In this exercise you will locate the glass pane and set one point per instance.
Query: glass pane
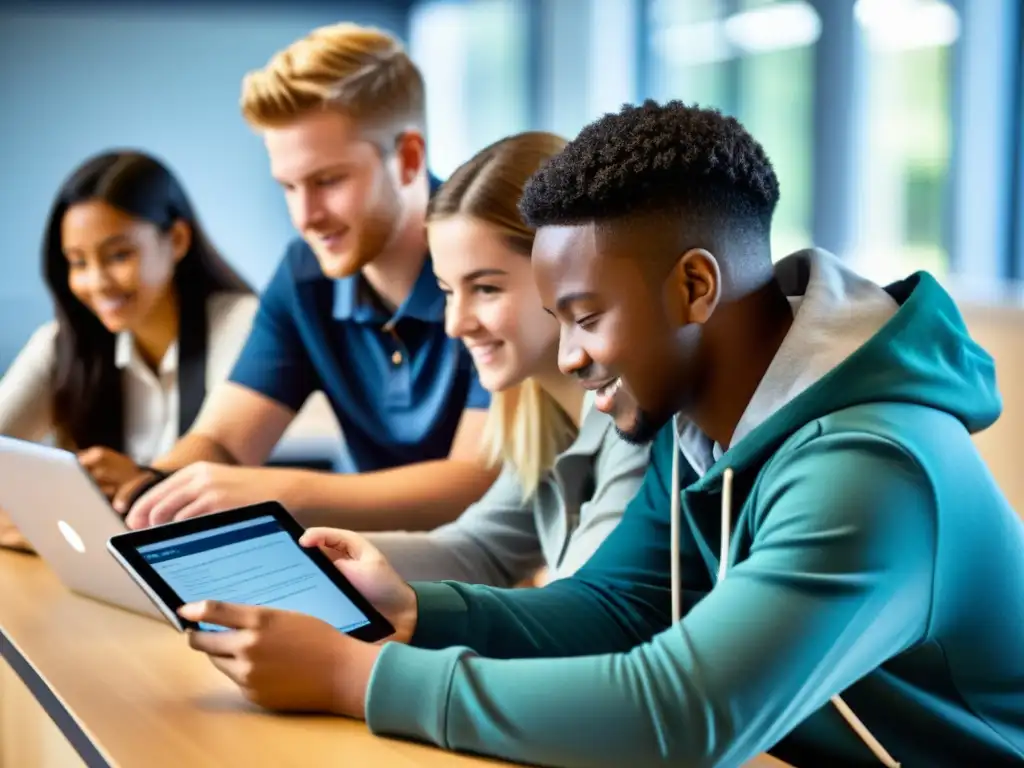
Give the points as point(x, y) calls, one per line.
point(495, 99)
point(768, 80)
point(473, 58)
point(688, 49)
point(758, 65)
point(903, 192)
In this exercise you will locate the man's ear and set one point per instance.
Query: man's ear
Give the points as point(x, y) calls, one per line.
point(697, 282)
point(411, 153)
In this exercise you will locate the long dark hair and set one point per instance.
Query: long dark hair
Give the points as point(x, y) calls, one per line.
point(87, 395)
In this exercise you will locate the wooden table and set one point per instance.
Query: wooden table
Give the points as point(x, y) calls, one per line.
point(125, 690)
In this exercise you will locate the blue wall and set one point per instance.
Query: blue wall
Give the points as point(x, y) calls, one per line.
point(79, 79)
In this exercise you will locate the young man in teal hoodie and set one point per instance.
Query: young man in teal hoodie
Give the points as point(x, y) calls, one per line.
point(849, 578)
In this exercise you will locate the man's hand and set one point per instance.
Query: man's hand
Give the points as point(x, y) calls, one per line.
point(111, 470)
point(283, 660)
point(133, 489)
point(10, 537)
point(202, 489)
point(370, 573)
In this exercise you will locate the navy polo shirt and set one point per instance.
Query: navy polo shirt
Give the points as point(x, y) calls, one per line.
point(398, 385)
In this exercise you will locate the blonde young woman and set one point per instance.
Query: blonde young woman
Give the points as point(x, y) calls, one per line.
point(565, 475)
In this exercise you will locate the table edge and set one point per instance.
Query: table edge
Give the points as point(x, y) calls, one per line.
point(55, 709)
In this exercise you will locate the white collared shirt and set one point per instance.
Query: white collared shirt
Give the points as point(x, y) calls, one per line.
point(150, 397)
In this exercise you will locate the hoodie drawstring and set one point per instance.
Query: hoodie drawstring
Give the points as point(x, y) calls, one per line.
point(723, 564)
point(674, 533)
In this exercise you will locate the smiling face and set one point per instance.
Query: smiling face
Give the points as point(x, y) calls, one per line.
point(492, 302)
point(342, 196)
point(121, 268)
point(627, 329)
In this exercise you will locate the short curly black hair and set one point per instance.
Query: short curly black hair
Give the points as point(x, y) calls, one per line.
point(656, 157)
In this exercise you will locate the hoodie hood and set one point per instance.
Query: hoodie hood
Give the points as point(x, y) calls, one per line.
point(853, 342)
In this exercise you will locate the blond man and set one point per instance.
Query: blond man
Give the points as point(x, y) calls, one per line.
point(353, 310)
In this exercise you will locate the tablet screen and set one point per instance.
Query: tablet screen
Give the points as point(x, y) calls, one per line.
point(255, 562)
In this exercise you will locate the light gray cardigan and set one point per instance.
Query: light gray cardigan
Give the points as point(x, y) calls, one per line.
point(502, 540)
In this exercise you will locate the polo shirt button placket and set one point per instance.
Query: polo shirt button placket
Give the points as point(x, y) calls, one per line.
point(397, 356)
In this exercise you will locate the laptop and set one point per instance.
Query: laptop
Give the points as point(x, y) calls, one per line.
point(58, 508)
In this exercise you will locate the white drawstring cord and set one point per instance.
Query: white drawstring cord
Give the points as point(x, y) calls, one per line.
point(674, 529)
point(723, 565)
point(854, 722)
point(865, 735)
point(723, 547)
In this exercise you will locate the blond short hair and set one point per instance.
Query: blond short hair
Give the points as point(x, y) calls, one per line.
point(362, 72)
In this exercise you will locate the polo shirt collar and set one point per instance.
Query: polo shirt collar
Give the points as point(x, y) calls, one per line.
point(426, 302)
point(348, 304)
point(354, 300)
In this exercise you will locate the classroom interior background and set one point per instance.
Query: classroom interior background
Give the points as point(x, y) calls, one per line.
point(894, 125)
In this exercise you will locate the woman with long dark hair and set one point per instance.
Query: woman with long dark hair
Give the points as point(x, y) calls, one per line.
point(148, 315)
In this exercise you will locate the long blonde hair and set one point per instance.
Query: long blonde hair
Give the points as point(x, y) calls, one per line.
point(525, 427)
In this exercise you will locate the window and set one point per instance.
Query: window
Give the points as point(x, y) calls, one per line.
point(689, 52)
point(474, 60)
point(903, 187)
point(586, 55)
point(753, 59)
point(1017, 240)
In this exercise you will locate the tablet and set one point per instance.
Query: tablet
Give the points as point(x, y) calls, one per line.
point(251, 556)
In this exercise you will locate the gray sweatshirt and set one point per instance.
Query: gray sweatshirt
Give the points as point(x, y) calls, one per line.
point(502, 539)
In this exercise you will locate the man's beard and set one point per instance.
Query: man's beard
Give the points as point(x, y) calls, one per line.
point(644, 429)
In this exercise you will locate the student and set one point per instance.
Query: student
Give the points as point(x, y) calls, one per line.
point(867, 550)
point(566, 476)
point(354, 310)
point(148, 316)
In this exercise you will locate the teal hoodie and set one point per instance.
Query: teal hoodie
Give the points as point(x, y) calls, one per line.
point(870, 554)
